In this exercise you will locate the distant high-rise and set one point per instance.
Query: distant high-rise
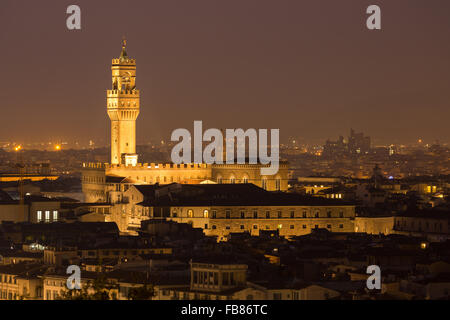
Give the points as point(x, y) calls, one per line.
point(123, 109)
point(358, 143)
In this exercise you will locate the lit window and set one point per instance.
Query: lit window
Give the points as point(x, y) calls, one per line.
point(278, 184)
point(264, 183)
point(47, 216)
point(39, 216)
point(55, 215)
point(190, 213)
point(205, 214)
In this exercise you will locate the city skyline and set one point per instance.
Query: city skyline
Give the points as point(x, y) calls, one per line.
point(268, 67)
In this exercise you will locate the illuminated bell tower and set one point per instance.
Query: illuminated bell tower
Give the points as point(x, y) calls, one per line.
point(123, 109)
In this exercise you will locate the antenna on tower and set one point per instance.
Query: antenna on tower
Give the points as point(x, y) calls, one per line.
point(124, 45)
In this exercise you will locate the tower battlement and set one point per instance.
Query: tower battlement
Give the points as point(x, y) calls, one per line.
point(123, 62)
point(148, 166)
point(117, 93)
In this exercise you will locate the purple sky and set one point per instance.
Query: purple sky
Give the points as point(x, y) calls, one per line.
point(308, 67)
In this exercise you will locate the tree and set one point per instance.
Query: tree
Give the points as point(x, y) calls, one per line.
point(146, 292)
point(98, 289)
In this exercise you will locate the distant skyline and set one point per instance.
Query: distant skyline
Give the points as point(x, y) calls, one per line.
point(309, 68)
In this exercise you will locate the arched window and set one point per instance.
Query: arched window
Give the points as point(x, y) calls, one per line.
point(232, 179)
point(245, 179)
point(205, 214)
point(190, 213)
point(278, 184)
point(264, 183)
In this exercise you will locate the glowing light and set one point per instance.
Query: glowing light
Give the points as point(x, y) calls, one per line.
point(58, 147)
point(17, 148)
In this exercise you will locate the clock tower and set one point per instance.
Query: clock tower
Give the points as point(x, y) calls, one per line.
point(123, 109)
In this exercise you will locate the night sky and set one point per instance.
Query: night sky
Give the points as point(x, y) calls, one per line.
point(308, 67)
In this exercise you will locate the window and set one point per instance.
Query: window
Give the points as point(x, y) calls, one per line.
point(317, 214)
point(242, 214)
point(174, 214)
point(232, 179)
point(264, 183)
point(328, 214)
point(242, 227)
point(255, 214)
point(291, 226)
point(55, 215)
point(280, 226)
point(267, 214)
point(304, 226)
point(214, 227)
point(214, 214)
point(329, 226)
point(47, 216)
point(228, 214)
point(190, 213)
point(279, 214)
point(245, 180)
point(292, 214)
point(278, 184)
point(255, 226)
point(205, 214)
point(39, 216)
point(341, 226)
point(206, 226)
point(341, 214)
point(227, 227)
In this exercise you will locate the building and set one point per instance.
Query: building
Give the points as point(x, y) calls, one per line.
point(34, 209)
point(221, 209)
point(123, 106)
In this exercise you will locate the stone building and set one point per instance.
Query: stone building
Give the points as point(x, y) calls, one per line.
point(221, 209)
point(123, 107)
